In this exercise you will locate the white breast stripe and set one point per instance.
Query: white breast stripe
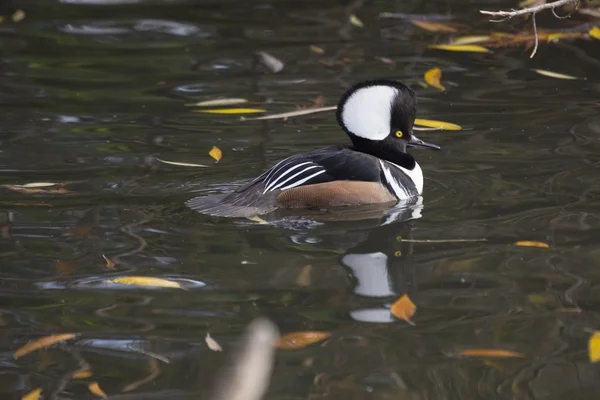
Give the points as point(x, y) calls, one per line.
point(416, 175)
point(399, 191)
point(279, 177)
point(300, 182)
point(295, 175)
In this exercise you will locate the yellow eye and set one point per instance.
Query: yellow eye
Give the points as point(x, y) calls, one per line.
point(399, 134)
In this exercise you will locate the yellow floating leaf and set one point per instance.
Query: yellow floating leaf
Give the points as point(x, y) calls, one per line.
point(18, 16)
point(434, 26)
point(470, 39)
point(490, 353)
point(182, 164)
point(298, 340)
point(41, 343)
point(97, 390)
point(532, 243)
point(219, 102)
point(316, 49)
point(82, 374)
point(554, 74)
point(258, 219)
point(553, 37)
point(404, 309)
point(146, 281)
point(109, 263)
point(594, 347)
point(216, 153)
point(432, 77)
point(232, 111)
point(33, 395)
point(212, 343)
point(356, 22)
point(431, 123)
point(472, 48)
point(595, 32)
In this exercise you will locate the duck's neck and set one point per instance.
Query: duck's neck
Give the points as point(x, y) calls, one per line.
point(389, 149)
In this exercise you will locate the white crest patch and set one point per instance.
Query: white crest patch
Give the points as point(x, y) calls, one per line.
point(367, 112)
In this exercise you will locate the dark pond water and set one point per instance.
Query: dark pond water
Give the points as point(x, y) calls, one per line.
point(93, 94)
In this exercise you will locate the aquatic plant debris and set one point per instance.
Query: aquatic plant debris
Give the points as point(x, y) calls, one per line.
point(42, 342)
point(298, 340)
point(532, 243)
point(227, 111)
point(404, 309)
point(212, 343)
point(497, 353)
point(432, 77)
point(82, 374)
point(292, 113)
point(33, 395)
point(182, 164)
point(434, 26)
point(552, 74)
point(469, 39)
point(216, 153)
point(109, 263)
point(594, 347)
point(219, 102)
point(472, 48)
point(146, 281)
point(431, 123)
point(95, 388)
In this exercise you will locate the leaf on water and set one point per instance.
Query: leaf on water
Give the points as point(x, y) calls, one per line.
point(432, 77)
point(258, 219)
point(182, 164)
point(532, 243)
point(212, 343)
point(554, 74)
point(316, 49)
point(594, 32)
point(18, 16)
point(146, 281)
point(33, 395)
point(431, 123)
point(555, 37)
point(470, 39)
point(304, 277)
point(97, 390)
point(37, 184)
point(356, 22)
point(404, 309)
point(292, 113)
point(434, 26)
point(37, 190)
point(41, 343)
point(218, 102)
point(216, 153)
point(109, 263)
point(594, 347)
point(272, 63)
point(298, 340)
point(82, 374)
point(472, 48)
point(490, 353)
point(228, 111)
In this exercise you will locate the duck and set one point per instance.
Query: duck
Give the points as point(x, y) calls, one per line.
point(376, 168)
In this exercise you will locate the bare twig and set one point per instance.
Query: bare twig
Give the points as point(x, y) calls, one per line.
point(530, 10)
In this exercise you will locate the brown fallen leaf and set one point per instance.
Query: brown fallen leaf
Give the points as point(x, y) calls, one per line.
point(304, 277)
point(95, 388)
point(532, 243)
point(41, 343)
point(146, 281)
point(33, 395)
point(82, 374)
point(298, 340)
point(404, 309)
point(212, 343)
point(36, 190)
point(594, 347)
point(490, 353)
point(434, 26)
point(432, 77)
point(109, 263)
point(216, 153)
point(272, 63)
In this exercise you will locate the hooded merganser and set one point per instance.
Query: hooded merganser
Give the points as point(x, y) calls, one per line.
point(378, 116)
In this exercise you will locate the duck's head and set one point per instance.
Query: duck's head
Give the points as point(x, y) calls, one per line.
point(380, 115)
